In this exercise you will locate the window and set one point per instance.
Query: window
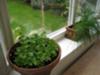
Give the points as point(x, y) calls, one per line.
point(36, 15)
point(92, 4)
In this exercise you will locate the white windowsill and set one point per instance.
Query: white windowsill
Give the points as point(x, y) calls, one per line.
point(67, 46)
point(70, 51)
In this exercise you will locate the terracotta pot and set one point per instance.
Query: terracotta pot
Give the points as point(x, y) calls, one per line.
point(70, 33)
point(45, 70)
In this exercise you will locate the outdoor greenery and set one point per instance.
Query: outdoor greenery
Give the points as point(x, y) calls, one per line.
point(22, 14)
point(35, 51)
point(48, 2)
point(88, 27)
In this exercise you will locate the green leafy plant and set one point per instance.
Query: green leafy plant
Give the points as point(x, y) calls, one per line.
point(19, 31)
point(35, 51)
point(88, 27)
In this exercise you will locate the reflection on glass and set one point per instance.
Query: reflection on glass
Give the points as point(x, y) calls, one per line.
point(93, 2)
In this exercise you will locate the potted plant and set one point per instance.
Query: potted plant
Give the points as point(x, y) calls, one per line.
point(70, 33)
point(35, 55)
point(87, 28)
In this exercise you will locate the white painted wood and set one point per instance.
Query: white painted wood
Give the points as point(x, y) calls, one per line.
point(72, 12)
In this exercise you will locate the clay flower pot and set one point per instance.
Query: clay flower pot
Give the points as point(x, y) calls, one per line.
point(44, 70)
point(70, 32)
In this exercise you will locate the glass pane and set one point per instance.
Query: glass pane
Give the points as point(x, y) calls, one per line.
point(93, 2)
point(82, 4)
point(56, 14)
point(36, 15)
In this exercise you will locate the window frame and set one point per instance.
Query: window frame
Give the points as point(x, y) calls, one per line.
point(53, 35)
point(7, 33)
point(56, 35)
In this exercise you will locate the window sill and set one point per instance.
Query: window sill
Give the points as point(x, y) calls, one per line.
point(70, 51)
point(67, 46)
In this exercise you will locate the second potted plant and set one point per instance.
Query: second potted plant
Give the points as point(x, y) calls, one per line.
point(87, 28)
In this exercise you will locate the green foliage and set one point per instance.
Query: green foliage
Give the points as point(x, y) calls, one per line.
point(23, 14)
point(35, 51)
point(19, 31)
point(88, 27)
point(59, 1)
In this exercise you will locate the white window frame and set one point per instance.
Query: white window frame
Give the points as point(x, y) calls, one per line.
point(6, 30)
point(54, 35)
point(71, 20)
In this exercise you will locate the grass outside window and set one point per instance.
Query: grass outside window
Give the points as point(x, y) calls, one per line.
point(22, 14)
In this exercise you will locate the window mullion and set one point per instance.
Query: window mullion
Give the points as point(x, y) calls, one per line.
point(72, 11)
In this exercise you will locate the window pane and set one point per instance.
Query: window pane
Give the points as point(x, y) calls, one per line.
point(93, 2)
point(30, 16)
point(56, 14)
point(82, 4)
